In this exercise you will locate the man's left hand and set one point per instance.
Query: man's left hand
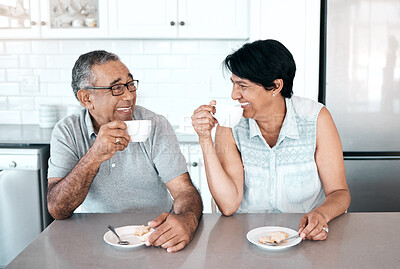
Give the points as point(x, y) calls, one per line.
point(173, 231)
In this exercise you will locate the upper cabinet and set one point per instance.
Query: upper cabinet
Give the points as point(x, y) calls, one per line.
point(22, 19)
point(19, 19)
point(179, 19)
point(63, 19)
point(74, 18)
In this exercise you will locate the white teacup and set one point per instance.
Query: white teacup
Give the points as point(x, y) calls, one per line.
point(228, 115)
point(138, 130)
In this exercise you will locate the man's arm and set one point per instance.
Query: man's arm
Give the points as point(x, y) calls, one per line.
point(64, 195)
point(175, 231)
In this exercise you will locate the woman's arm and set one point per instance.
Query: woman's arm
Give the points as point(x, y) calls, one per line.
point(330, 164)
point(223, 164)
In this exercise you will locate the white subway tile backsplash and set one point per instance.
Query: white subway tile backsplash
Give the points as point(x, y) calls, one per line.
point(2, 75)
point(176, 76)
point(21, 103)
point(147, 89)
point(128, 47)
point(211, 47)
point(32, 61)
point(140, 62)
point(185, 47)
point(18, 47)
point(236, 44)
point(9, 89)
point(30, 117)
point(46, 101)
point(46, 47)
point(47, 75)
point(156, 47)
point(188, 75)
point(107, 45)
point(10, 61)
point(65, 75)
point(172, 61)
point(15, 75)
point(3, 103)
point(74, 47)
point(204, 61)
point(59, 89)
point(10, 117)
point(171, 89)
point(61, 61)
point(157, 75)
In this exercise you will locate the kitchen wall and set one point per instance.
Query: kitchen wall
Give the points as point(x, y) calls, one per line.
point(176, 76)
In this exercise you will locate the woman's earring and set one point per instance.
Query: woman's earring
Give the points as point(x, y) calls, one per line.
point(273, 95)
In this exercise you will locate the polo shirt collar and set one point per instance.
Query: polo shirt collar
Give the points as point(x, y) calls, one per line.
point(89, 125)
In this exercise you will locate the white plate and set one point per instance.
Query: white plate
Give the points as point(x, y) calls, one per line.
point(126, 234)
point(254, 234)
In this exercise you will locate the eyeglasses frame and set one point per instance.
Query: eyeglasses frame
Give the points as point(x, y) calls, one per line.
point(110, 88)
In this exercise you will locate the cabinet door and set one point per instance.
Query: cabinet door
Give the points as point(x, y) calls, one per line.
point(197, 172)
point(214, 19)
point(79, 19)
point(19, 20)
point(143, 19)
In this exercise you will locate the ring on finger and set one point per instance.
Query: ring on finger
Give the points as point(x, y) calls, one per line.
point(325, 229)
point(117, 140)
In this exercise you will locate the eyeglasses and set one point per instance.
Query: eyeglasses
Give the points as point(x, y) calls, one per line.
point(119, 89)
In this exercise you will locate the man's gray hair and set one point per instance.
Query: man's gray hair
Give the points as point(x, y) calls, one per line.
point(82, 75)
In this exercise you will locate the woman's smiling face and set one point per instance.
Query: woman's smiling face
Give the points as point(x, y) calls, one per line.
point(253, 97)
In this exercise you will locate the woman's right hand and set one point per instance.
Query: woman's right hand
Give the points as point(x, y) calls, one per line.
point(203, 121)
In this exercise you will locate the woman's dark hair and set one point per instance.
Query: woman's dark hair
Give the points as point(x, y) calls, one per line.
point(262, 62)
point(82, 71)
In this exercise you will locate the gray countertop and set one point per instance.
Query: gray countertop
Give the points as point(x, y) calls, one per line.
point(356, 240)
point(33, 134)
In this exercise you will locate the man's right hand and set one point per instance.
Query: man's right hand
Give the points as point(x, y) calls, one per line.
point(112, 137)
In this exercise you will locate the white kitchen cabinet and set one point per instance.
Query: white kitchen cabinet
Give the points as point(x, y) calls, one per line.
point(195, 166)
point(179, 19)
point(54, 19)
point(19, 20)
point(93, 25)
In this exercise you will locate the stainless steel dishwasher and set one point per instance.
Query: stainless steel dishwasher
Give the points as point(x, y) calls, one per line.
point(23, 206)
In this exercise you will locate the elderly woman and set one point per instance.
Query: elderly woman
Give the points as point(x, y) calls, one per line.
point(285, 154)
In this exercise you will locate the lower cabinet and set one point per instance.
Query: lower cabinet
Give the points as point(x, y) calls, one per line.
point(195, 165)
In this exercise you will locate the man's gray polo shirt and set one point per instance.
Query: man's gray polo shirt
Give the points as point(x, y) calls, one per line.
point(133, 180)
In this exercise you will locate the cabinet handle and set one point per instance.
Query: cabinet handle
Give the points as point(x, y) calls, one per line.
point(194, 164)
point(172, 23)
point(33, 23)
point(43, 23)
point(182, 23)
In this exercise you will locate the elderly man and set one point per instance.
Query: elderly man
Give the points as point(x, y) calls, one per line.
point(93, 164)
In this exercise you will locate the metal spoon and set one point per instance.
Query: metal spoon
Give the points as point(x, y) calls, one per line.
point(281, 241)
point(121, 242)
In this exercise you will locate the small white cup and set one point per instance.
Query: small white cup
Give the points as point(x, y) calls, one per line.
point(228, 115)
point(139, 130)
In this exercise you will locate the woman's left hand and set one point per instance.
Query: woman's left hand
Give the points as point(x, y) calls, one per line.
point(311, 226)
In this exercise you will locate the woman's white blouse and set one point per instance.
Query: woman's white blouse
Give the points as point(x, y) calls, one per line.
point(283, 178)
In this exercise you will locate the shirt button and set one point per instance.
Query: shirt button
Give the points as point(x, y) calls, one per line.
point(113, 165)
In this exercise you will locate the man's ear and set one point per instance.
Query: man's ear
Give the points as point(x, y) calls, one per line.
point(85, 99)
point(278, 85)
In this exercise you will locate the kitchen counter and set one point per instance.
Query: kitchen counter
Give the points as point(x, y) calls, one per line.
point(24, 134)
point(32, 134)
point(356, 240)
